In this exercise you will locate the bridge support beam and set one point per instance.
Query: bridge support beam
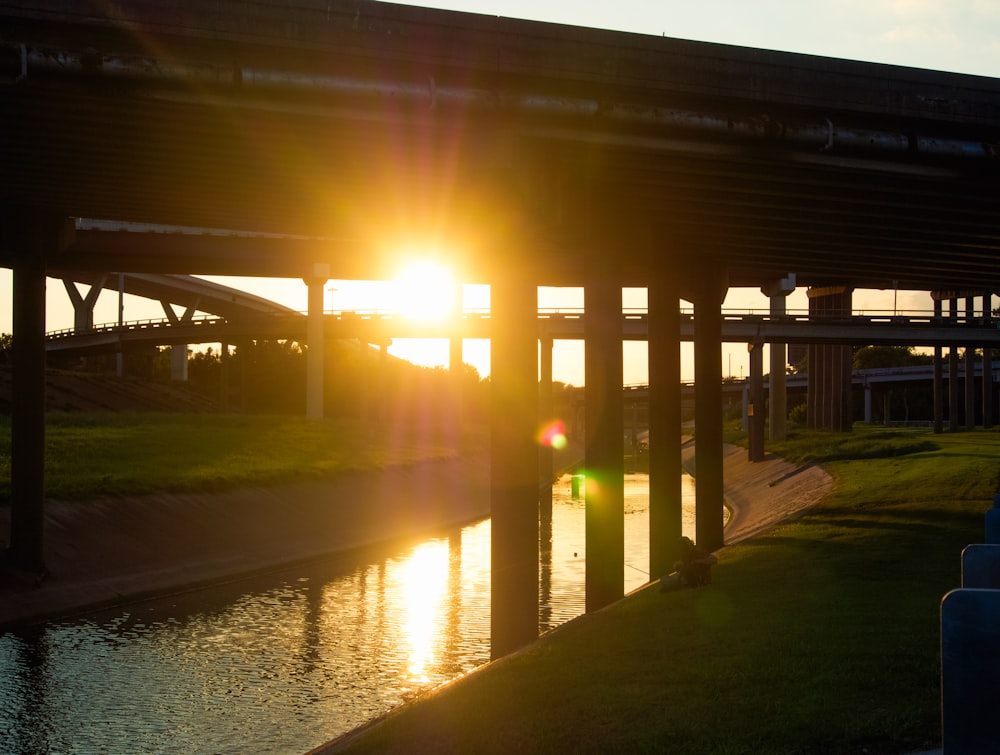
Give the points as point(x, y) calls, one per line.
point(755, 406)
point(514, 464)
point(83, 306)
point(829, 393)
point(777, 294)
point(665, 498)
point(604, 438)
point(708, 408)
point(546, 415)
point(29, 236)
point(938, 379)
point(969, 376)
point(315, 337)
point(179, 351)
point(987, 381)
point(953, 387)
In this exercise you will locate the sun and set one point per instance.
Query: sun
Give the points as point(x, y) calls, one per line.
point(425, 291)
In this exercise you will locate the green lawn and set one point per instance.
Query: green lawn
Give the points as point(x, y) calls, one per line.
point(128, 454)
point(821, 636)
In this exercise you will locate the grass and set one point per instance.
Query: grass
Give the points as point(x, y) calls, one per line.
point(822, 636)
point(128, 454)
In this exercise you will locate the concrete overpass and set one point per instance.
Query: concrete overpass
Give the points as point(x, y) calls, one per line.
point(531, 154)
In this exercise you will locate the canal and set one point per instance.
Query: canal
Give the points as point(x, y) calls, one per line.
point(285, 662)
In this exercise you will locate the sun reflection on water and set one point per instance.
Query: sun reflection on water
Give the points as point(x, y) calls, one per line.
point(425, 581)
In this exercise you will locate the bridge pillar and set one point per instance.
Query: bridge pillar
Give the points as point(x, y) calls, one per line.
point(546, 415)
point(29, 236)
point(969, 375)
point(755, 405)
point(938, 378)
point(777, 294)
point(455, 370)
point(315, 353)
point(665, 498)
point(829, 391)
point(953, 394)
point(83, 306)
point(514, 464)
point(710, 293)
point(604, 450)
point(987, 366)
point(179, 351)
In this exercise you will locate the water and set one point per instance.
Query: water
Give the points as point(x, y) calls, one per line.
point(284, 663)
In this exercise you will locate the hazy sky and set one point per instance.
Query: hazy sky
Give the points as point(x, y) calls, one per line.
point(951, 35)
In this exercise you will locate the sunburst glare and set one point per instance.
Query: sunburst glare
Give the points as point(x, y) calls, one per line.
point(426, 291)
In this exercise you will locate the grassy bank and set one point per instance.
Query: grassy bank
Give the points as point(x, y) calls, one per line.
point(129, 454)
point(821, 636)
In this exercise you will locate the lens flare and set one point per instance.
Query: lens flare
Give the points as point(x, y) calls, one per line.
point(553, 435)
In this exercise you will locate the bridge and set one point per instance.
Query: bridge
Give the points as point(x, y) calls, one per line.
point(923, 329)
point(317, 141)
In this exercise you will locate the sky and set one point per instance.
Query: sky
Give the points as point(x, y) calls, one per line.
point(949, 35)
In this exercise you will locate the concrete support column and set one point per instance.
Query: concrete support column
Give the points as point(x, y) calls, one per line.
point(755, 405)
point(455, 373)
point(777, 294)
point(224, 376)
point(514, 464)
point(868, 404)
point(665, 501)
point(29, 236)
point(546, 415)
point(987, 366)
point(969, 376)
point(315, 337)
point(83, 306)
point(179, 351)
point(830, 364)
point(708, 409)
point(953, 394)
point(364, 382)
point(938, 379)
point(604, 438)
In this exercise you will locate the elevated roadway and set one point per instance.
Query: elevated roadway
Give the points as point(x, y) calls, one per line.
point(381, 327)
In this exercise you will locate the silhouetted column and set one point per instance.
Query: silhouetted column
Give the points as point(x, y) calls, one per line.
point(777, 294)
point(455, 370)
point(830, 364)
point(546, 415)
point(30, 236)
point(970, 369)
point(665, 497)
point(604, 438)
point(315, 355)
point(224, 375)
point(708, 409)
point(938, 378)
point(953, 392)
point(514, 463)
point(364, 382)
point(179, 351)
point(755, 407)
point(83, 306)
point(987, 366)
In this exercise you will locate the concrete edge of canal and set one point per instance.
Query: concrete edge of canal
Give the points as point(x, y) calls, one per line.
point(115, 550)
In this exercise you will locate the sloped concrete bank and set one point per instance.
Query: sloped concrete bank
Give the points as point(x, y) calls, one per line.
point(114, 550)
point(762, 494)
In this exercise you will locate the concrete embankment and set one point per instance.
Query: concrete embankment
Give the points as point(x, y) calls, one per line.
point(107, 551)
point(762, 494)
point(113, 550)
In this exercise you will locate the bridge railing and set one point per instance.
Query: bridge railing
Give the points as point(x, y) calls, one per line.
point(854, 317)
